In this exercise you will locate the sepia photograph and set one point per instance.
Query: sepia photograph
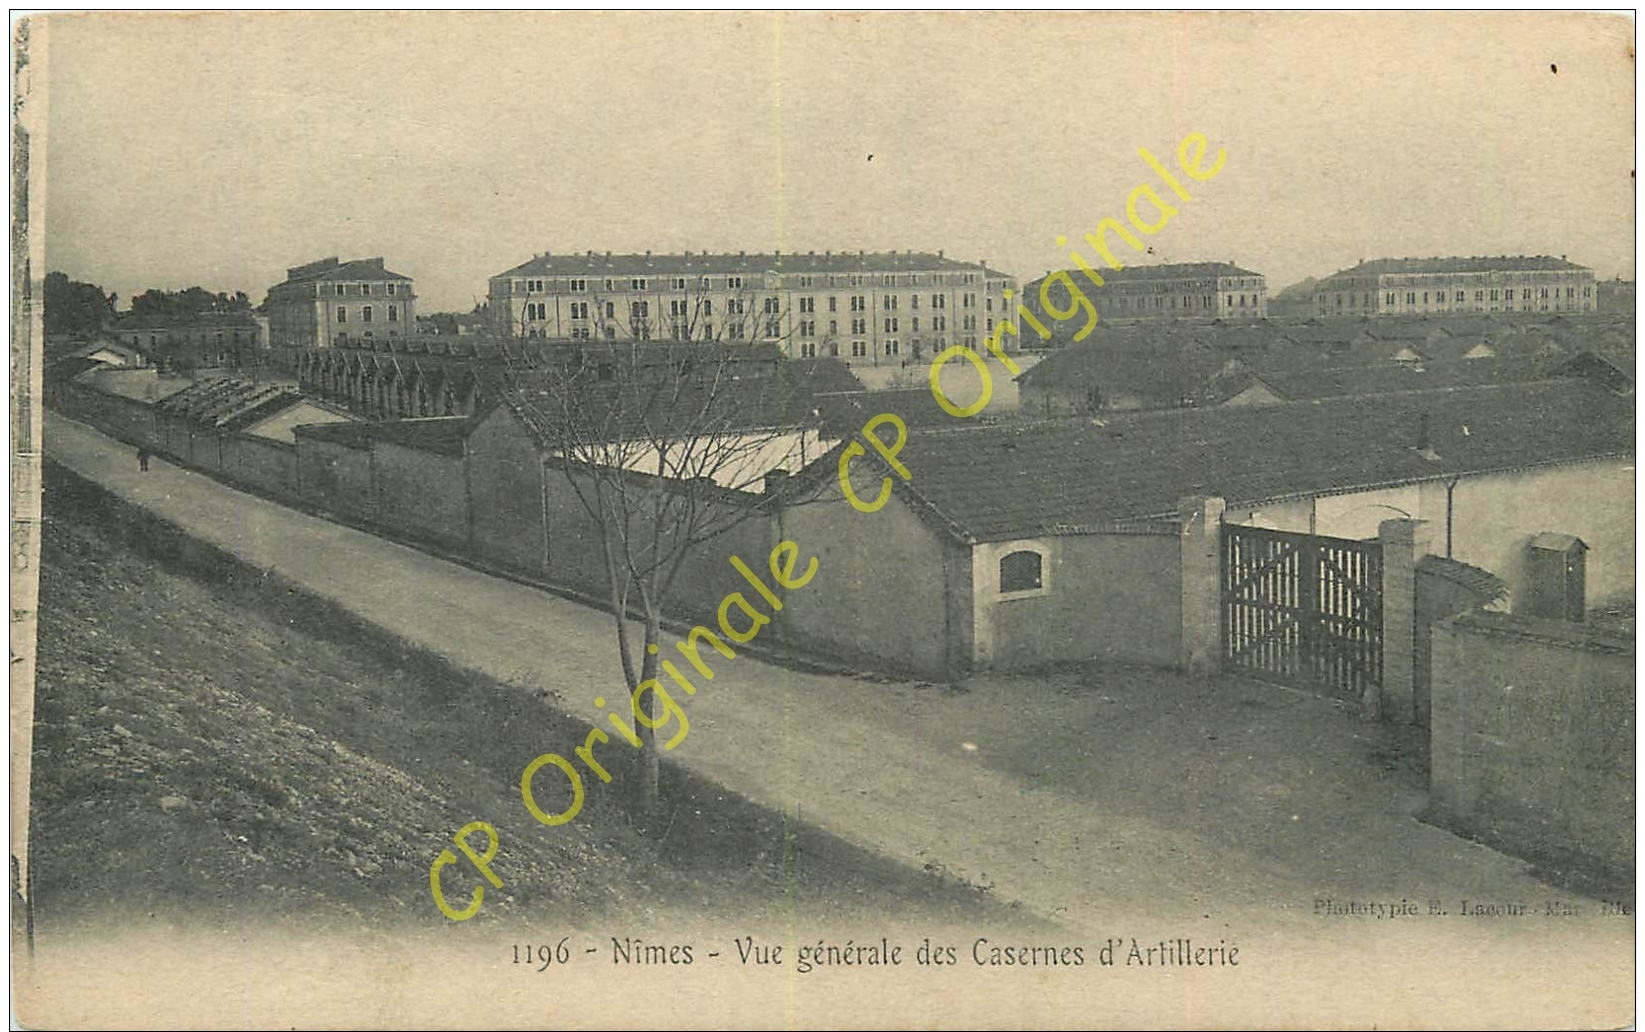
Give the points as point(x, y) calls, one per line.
point(760, 519)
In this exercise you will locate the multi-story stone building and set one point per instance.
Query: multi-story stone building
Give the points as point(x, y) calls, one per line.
point(864, 307)
point(1436, 286)
point(1193, 290)
point(198, 340)
point(329, 302)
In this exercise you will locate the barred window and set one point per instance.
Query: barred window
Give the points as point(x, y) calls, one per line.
point(1021, 571)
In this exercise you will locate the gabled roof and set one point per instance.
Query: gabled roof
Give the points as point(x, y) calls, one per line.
point(845, 412)
point(1178, 270)
point(994, 483)
point(228, 403)
point(1499, 263)
point(327, 269)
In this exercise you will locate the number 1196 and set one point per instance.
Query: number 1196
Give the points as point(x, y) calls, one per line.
point(542, 954)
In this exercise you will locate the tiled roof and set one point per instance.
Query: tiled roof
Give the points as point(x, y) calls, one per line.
point(844, 413)
point(1487, 263)
point(1341, 381)
point(992, 483)
point(331, 269)
point(1165, 363)
point(441, 435)
point(1180, 270)
point(592, 263)
point(1485, 585)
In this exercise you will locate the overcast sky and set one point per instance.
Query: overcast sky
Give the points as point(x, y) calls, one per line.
point(220, 149)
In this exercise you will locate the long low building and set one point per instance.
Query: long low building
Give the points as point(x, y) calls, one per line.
point(1008, 547)
point(1426, 286)
point(1056, 542)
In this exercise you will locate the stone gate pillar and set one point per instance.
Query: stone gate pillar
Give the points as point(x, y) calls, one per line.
point(1404, 543)
point(1201, 583)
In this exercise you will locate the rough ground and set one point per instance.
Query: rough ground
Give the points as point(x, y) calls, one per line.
point(198, 745)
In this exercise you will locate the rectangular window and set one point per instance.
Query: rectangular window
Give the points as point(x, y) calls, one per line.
point(365, 313)
point(390, 289)
point(339, 290)
point(833, 304)
point(342, 314)
point(579, 286)
point(393, 313)
point(891, 347)
point(636, 284)
point(833, 327)
point(734, 282)
point(679, 283)
point(859, 348)
point(808, 350)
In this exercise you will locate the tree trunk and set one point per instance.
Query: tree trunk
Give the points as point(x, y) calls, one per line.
point(646, 799)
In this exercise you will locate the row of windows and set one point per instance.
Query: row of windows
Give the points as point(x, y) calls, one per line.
point(1482, 279)
point(1206, 301)
point(771, 306)
point(365, 313)
point(579, 285)
point(1182, 286)
point(363, 289)
point(340, 336)
point(1460, 296)
point(640, 313)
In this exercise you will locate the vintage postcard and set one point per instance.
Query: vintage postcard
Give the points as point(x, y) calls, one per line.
point(882, 520)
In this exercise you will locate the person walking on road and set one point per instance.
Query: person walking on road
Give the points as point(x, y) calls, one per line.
point(142, 460)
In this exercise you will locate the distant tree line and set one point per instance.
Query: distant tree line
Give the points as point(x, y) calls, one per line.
point(73, 307)
point(183, 304)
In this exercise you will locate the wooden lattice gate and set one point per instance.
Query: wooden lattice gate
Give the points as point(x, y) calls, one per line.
point(1303, 609)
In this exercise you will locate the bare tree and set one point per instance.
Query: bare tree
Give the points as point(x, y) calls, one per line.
point(666, 445)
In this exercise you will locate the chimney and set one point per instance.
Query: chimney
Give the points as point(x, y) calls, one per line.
point(1422, 433)
point(939, 252)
